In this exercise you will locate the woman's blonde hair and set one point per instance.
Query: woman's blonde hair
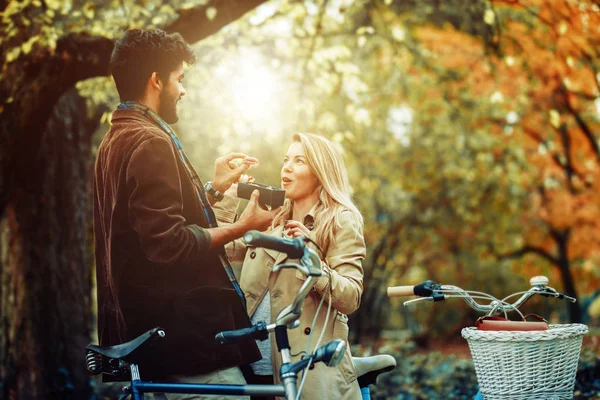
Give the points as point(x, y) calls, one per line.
point(326, 163)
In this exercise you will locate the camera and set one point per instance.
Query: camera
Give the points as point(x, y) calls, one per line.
point(269, 195)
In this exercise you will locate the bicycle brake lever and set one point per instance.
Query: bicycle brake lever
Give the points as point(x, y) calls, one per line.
point(564, 296)
point(302, 268)
point(409, 302)
point(558, 295)
point(308, 271)
point(570, 299)
point(435, 297)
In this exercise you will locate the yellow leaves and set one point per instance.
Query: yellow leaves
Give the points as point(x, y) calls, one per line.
point(12, 8)
point(26, 47)
point(168, 11)
point(106, 117)
point(89, 10)
point(497, 97)
point(594, 309)
point(562, 28)
point(360, 115)
point(54, 5)
point(211, 13)
point(398, 33)
point(361, 33)
point(188, 5)
point(489, 17)
point(570, 62)
point(12, 54)
point(159, 19)
point(554, 117)
point(365, 30)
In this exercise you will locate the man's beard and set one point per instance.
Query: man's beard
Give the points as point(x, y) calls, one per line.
point(168, 108)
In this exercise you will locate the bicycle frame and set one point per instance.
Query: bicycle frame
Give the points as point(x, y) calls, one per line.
point(139, 387)
point(491, 385)
point(330, 353)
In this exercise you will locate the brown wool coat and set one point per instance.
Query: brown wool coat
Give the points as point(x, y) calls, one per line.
point(343, 262)
point(152, 259)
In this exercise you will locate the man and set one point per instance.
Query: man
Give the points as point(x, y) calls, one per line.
point(159, 252)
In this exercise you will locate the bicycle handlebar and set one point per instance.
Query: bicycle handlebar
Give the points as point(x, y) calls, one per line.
point(309, 264)
point(257, 332)
point(432, 291)
point(294, 248)
point(398, 291)
point(425, 289)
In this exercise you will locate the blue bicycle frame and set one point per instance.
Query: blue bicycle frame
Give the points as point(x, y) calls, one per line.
point(119, 361)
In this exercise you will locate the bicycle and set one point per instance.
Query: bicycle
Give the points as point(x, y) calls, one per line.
point(510, 364)
point(119, 362)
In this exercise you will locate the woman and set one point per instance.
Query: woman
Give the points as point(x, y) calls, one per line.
point(318, 205)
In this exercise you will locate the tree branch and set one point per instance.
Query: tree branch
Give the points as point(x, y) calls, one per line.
point(35, 83)
point(568, 167)
point(529, 250)
point(589, 135)
point(311, 50)
point(194, 25)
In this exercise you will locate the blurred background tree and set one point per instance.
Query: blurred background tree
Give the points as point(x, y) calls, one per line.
point(469, 130)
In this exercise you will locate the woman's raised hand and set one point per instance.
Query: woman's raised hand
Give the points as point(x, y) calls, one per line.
point(296, 228)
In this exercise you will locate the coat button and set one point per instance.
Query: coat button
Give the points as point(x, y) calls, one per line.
point(312, 366)
point(253, 255)
point(307, 331)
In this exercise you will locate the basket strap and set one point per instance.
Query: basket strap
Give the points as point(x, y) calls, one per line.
point(480, 320)
point(541, 319)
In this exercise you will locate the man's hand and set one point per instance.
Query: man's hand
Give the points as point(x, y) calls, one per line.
point(227, 172)
point(232, 191)
point(255, 217)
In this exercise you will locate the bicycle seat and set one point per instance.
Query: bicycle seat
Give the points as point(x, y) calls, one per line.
point(369, 368)
point(123, 350)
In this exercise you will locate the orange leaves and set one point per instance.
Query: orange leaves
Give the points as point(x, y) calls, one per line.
point(464, 56)
point(562, 210)
point(454, 50)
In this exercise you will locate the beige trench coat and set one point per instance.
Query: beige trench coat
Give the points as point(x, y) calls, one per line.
point(343, 263)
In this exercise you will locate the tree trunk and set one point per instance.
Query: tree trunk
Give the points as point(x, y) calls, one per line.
point(45, 262)
point(564, 266)
point(45, 230)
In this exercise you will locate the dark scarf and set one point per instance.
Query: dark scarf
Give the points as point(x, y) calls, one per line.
point(208, 211)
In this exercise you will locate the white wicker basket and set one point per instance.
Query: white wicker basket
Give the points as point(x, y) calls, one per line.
point(536, 365)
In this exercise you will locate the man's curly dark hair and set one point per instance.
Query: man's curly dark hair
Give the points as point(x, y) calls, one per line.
point(139, 53)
